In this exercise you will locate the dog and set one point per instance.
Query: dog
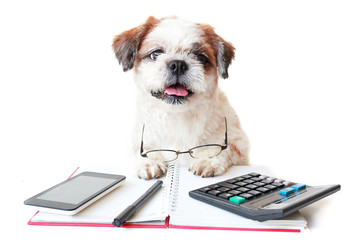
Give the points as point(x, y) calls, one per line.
point(177, 65)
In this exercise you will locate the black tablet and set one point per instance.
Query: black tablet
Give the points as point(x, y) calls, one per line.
point(76, 193)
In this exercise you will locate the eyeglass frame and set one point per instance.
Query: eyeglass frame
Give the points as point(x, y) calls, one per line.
point(223, 147)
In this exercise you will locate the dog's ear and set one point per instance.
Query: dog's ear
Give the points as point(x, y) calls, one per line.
point(223, 50)
point(127, 44)
point(226, 53)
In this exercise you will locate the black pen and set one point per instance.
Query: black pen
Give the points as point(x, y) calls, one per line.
point(130, 210)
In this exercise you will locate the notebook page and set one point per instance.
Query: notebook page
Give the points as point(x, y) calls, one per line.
point(191, 212)
point(107, 208)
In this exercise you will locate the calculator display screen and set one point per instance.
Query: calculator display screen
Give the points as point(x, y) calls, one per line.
point(76, 190)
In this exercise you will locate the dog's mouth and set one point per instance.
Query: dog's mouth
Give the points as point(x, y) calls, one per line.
point(173, 94)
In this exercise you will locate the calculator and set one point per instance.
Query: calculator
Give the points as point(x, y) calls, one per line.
point(260, 197)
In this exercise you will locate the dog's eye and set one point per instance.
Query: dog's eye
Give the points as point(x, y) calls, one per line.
point(201, 58)
point(153, 56)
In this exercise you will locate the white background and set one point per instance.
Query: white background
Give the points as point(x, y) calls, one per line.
point(65, 102)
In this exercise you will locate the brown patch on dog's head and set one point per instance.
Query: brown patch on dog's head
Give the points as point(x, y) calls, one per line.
point(127, 44)
point(208, 50)
point(223, 51)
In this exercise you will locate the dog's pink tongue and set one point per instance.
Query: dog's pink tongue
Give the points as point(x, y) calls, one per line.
point(177, 90)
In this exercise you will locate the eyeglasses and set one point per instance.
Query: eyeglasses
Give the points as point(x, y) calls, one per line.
point(202, 151)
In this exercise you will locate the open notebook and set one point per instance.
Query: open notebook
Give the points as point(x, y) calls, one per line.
point(171, 207)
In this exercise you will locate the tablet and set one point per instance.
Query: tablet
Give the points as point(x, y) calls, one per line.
point(73, 195)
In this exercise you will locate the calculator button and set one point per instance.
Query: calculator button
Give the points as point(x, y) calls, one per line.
point(286, 191)
point(271, 179)
point(239, 178)
point(248, 181)
point(214, 186)
point(231, 181)
point(279, 185)
point(279, 180)
point(205, 189)
point(235, 192)
point(267, 181)
point(299, 186)
point(216, 192)
point(263, 190)
point(251, 186)
point(256, 179)
point(246, 176)
point(225, 195)
point(254, 192)
point(271, 187)
point(237, 200)
point(247, 195)
point(223, 189)
point(254, 174)
point(243, 189)
point(241, 184)
point(260, 184)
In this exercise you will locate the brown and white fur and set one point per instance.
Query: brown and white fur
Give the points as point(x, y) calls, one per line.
point(181, 122)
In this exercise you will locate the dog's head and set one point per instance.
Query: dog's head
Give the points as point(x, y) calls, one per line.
point(174, 60)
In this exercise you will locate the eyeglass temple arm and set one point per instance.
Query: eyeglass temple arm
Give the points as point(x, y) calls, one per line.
point(142, 143)
point(226, 141)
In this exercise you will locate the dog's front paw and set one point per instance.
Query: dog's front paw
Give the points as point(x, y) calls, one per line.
point(208, 168)
point(152, 169)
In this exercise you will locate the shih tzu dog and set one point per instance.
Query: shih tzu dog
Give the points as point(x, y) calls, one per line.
point(182, 114)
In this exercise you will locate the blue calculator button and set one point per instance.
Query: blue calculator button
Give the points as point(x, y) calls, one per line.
point(299, 186)
point(286, 191)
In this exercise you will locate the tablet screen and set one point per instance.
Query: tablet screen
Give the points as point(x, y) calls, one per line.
point(76, 190)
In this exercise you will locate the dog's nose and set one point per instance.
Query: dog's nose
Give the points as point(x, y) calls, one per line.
point(178, 67)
